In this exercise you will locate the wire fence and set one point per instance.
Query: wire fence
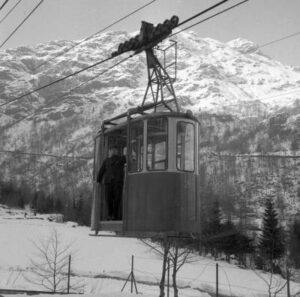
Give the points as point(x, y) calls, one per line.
point(232, 280)
point(205, 275)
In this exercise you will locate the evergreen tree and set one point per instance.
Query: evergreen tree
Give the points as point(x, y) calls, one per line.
point(211, 229)
point(79, 210)
point(234, 241)
point(33, 202)
point(227, 243)
point(271, 241)
point(213, 224)
point(21, 202)
point(58, 205)
point(294, 144)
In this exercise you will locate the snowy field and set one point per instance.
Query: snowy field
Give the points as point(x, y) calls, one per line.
point(102, 264)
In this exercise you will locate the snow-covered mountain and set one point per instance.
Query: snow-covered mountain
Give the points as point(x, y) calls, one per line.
point(247, 102)
point(233, 78)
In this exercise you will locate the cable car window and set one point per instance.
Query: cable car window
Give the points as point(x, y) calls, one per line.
point(136, 147)
point(157, 133)
point(185, 146)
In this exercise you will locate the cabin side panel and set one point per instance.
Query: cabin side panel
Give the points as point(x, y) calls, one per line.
point(163, 202)
point(152, 202)
point(189, 215)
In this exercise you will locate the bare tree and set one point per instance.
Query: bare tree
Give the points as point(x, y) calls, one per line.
point(49, 268)
point(169, 248)
point(162, 250)
point(274, 283)
point(297, 294)
point(178, 258)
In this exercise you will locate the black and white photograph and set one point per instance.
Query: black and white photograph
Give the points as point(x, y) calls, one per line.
point(150, 147)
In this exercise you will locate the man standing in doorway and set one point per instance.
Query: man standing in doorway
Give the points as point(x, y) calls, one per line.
point(113, 171)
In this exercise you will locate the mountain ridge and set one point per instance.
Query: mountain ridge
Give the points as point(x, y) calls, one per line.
point(246, 102)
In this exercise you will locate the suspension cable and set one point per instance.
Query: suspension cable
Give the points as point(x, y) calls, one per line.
point(91, 36)
point(91, 66)
point(202, 12)
point(64, 95)
point(9, 12)
point(57, 81)
point(210, 17)
point(27, 17)
point(44, 155)
point(4, 3)
point(280, 39)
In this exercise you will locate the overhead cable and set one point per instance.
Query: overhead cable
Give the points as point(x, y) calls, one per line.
point(9, 12)
point(44, 155)
point(4, 3)
point(64, 95)
point(280, 39)
point(295, 90)
point(91, 66)
point(57, 81)
point(210, 17)
point(27, 17)
point(266, 155)
point(57, 99)
point(98, 32)
point(77, 72)
point(202, 12)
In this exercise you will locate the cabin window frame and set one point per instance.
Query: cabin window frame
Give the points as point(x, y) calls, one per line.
point(140, 169)
point(166, 119)
point(194, 144)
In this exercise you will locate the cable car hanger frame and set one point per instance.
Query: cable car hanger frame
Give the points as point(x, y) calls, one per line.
point(158, 78)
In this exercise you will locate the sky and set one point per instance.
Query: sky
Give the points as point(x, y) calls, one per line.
point(260, 21)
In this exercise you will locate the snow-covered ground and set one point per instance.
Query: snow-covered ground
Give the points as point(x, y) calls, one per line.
point(103, 264)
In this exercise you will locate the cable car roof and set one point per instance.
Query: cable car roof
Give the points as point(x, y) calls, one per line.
point(116, 126)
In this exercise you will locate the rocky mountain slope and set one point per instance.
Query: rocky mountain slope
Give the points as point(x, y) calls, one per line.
point(248, 104)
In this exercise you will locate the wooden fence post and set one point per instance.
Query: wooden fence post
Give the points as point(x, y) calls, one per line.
point(288, 282)
point(69, 275)
point(168, 288)
point(217, 280)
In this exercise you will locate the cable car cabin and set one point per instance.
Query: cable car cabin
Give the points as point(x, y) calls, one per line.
point(160, 193)
point(160, 186)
